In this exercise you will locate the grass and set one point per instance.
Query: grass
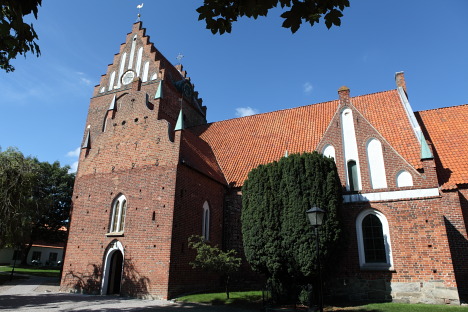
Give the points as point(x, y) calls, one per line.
point(32, 271)
point(253, 299)
point(403, 307)
point(238, 299)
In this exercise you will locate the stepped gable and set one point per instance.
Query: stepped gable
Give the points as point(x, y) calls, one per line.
point(127, 59)
point(197, 154)
point(447, 130)
point(139, 55)
point(242, 144)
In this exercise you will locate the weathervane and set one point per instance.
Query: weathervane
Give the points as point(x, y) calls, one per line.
point(180, 57)
point(139, 10)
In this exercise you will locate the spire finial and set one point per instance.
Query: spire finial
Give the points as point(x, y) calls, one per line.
point(139, 11)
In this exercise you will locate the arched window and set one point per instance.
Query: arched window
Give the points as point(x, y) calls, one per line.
point(353, 176)
point(206, 221)
point(329, 151)
point(119, 209)
point(373, 240)
point(375, 158)
point(404, 178)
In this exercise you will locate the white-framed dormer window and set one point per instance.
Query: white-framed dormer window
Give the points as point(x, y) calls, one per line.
point(119, 209)
point(206, 222)
point(373, 238)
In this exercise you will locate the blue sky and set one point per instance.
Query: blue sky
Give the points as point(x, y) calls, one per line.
point(259, 67)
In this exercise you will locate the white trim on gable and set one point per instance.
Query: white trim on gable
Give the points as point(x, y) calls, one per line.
point(393, 195)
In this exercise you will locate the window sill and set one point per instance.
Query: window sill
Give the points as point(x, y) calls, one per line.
point(114, 234)
point(377, 267)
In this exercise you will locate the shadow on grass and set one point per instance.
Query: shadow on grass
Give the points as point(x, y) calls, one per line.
point(250, 302)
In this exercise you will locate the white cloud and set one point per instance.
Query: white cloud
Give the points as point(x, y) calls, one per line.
point(83, 78)
point(245, 111)
point(74, 153)
point(73, 167)
point(85, 81)
point(307, 87)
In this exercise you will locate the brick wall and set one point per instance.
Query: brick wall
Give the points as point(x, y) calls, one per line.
point(193, 189)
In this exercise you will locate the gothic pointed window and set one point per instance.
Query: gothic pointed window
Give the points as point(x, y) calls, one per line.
point(206, 222)
point(119, 209)
point(373, 240)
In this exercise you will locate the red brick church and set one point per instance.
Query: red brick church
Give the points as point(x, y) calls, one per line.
point(153, 172)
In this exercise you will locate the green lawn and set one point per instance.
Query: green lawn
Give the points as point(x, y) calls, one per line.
point(239, 299)
point(402, 307)
point(253, 299)
point(32, 271)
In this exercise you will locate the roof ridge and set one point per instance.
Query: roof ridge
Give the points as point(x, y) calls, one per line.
point(293, 108)
point(281, 110)
point(441, 108)
point(378, 92)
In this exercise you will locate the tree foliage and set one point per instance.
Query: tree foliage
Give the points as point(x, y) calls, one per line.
point(17, 178)
point(220, 14)
point(278, 239)
point(35, 199)
point(16, 36)
point(211, 258)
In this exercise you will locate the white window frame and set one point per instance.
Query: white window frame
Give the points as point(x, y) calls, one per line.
point(119, 210)
point(388, 265)
point(206, 221)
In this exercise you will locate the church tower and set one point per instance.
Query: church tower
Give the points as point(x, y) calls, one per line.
point(141, 190)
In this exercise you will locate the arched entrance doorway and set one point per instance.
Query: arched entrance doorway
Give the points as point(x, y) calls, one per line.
point(115, 273)
point(113, 268)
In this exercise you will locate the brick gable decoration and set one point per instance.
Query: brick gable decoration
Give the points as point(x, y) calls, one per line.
point(153, 172)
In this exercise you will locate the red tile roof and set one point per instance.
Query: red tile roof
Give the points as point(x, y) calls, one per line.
point(198, 155)
point(447, 129)
point(242, 144)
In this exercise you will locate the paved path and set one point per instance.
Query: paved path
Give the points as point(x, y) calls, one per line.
point(41, 294)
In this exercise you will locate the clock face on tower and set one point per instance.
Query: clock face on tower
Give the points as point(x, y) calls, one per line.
point(128, 77)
